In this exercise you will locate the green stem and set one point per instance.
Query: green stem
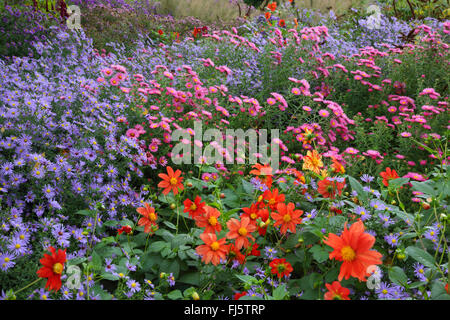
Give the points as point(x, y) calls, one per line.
point(27, 286)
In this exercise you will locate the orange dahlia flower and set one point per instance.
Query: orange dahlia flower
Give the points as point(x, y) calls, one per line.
point(213, 250)
point(280, 267)
point(209, 220)
point(149, 217)
point(241, 231)
point(329, 188)
point(353, 247)
point(53, 266)
point(388, 175)
point(171, 181)
point(287, 217)
point(273, 198)
point(336, 292)
point(195, 208)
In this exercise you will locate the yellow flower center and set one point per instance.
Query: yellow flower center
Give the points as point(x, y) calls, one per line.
point(287, 218)
point(193, 207)
point(212, 221)
point(6, 259)
point(242, 231)
point(17, 246)
point(58, 268)
point(215, 246)
point(272, 201)
point(173, 181)
point(348, 254)
point(253, 216)
point(152, 216)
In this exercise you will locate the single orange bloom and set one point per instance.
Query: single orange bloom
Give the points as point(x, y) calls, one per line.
point(273, 198)
point(209, 220)
point(213, 250)
point(264, 216)
point(53, 266)
point(287, 217)
point(337, 166)
point(312, 161)
point(328, 188)
point(171, 181)
point(235, 254)
point(281, 267)
point(149, 217)
point(281, 23)
point(388, 175)
point(296, 22)
point(336, 292)
point(353, 248)
point(267, 15)
point(241, 231)
point(264, 173)
point(251, 213)
point(272, 6)
point(196, 208)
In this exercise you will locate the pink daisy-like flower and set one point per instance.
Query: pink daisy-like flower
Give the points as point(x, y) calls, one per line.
point(350, 150)
point(296, 91)
point(405, 134)
point(324, 113)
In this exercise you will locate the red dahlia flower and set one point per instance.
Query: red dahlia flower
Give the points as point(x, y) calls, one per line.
point(53, 266)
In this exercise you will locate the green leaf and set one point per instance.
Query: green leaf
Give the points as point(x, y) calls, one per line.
point(192, 278)
point(175, 295)
point(280, 292)
point(89, 213)
point(358, 188)
point(111, 223)
point(396, 183)
point(96, 261)
point(157, 246)
point(421, 256)
point(248, 187)
point(398, 276)
point(246, 279)
point(170, 225)
point(109, 276)
point(320, 254)
point(438, 291)
point(423, 187)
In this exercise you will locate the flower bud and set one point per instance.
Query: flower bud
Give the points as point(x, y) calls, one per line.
point(195, 296)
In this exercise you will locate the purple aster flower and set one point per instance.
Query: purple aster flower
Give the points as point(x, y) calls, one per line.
point(392, 240)
point(130, 266)
point(49, 191)
point(386, 220)
point(419, 271)
point(6, 261)
point(310, 215)
point(366, 178)
point(270, 253)
point(171, 280)
point(362, 212)
point(17, 246)
point(134, 286)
